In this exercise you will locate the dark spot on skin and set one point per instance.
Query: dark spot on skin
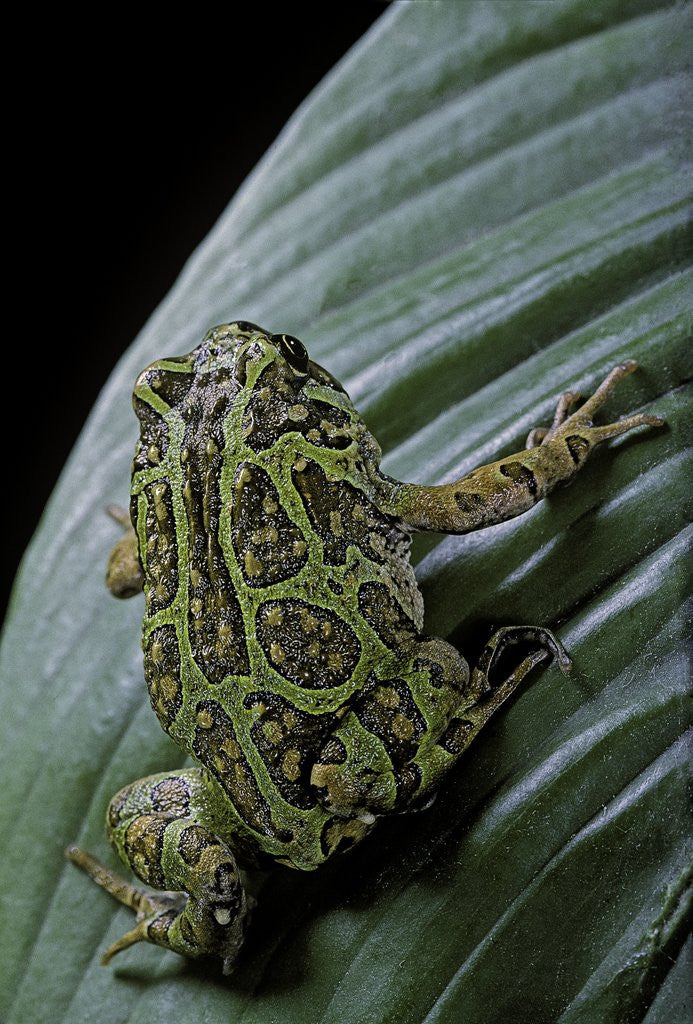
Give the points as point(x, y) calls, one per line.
point(457, 736)
point(170, 386)
point(266, 421)
point(407, 780)
point(388, 710)
point(193, 841)
point(144, 842)
point(216, 745)
point(341, 516)
point(227, 881)
point(578, 447)
point(269, 546)
point(309, 645)
point(154, 436)
point(436, 672)
point(386, 616)
point(469, 504)
point(518, 473)
point(161, 554)
point(215, 621)
point(288, 741)
point(162, 673)
point(171, 795)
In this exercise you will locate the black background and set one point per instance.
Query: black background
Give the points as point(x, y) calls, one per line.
point(124, 143)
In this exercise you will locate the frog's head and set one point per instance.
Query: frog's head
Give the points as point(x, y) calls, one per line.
point(235, 354)
point(270, 378)
point(242, 345)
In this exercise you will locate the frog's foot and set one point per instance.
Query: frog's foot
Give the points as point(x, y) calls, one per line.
point(124, 577)
point(158, 829)
point(582, 418)
point(153, 911)
point(489, 696)
point(578, 426)
point(542, 434)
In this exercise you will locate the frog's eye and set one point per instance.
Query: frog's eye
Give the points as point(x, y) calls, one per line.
point(293, 350)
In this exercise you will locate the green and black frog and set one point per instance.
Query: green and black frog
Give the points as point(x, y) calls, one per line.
point(282, 635)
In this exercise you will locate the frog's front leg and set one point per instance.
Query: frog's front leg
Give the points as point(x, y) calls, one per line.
point(124, 576)
point(160, 829)
point(504, 489)
point(542, 434)
point(405, 732)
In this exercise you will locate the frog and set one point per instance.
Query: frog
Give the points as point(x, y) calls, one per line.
point(283, 639)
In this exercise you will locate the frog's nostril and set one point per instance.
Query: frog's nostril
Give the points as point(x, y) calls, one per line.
point(245, 327)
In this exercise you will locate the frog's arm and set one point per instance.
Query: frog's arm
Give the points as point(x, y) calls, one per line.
point(504, 489)
point(124, 576)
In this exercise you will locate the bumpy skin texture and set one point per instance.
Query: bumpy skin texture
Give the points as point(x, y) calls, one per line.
point(282, 631)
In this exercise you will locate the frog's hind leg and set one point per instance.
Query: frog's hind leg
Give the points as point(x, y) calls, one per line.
point(404, 734)
point(158, 829)
point(368, 765)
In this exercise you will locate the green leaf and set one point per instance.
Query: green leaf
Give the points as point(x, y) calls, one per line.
point(483, 205)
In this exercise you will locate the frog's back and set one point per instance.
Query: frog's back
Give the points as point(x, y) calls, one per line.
point(272, 582)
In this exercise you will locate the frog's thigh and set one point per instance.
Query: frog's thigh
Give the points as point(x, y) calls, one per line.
point(391, 748)
point(158, 828)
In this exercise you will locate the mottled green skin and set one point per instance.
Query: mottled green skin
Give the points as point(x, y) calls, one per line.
point(281, 636)
point(253, 505)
